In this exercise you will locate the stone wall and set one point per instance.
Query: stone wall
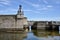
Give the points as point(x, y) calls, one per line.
point(19, 23)
point(43, 24)
point(12, 22)
point(7, 22)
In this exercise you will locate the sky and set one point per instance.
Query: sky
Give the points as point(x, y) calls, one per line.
point(38, 10)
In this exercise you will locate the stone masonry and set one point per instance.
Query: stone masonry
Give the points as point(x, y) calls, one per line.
point(13, 21)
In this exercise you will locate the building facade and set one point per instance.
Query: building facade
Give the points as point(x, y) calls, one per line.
point(17, 21)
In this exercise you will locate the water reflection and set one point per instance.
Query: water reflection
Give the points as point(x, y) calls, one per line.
point(47, 35)
point(42, 35)
point(50, 38)
point(34, 35)
point(12, 36)
point(31, 36)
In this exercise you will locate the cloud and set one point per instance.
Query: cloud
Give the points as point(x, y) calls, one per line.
point(35, 5)
point(49, 6)
point(9, 11)
point(45, 19)
point(36, 11)
point(58, 1)
point(38, 6)
point(45, 1)
point(30, 3)
point(4, 2)
point(50, 1)
point(44, 8)
point(27, 10)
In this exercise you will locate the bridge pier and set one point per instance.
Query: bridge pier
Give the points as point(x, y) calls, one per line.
point(59, 29)
point(55, 27)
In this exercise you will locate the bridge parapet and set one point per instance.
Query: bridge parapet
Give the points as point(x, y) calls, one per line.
point(55, 23)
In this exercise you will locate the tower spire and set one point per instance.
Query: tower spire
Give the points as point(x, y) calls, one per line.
point(20, 10)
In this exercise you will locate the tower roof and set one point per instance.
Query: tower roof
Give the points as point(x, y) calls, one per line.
point(20, 10)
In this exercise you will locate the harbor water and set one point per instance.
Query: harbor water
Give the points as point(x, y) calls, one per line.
point(30, 35)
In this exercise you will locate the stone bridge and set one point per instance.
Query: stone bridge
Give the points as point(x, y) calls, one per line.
point(44, 25)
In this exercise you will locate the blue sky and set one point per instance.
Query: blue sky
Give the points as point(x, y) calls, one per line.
point(46, 10)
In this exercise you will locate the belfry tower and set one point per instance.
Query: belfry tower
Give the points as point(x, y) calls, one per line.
point(21, 20)
point(20, 13)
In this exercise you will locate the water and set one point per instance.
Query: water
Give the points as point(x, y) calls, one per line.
point(41, 36)
point(33, 35)
point(12, 36)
